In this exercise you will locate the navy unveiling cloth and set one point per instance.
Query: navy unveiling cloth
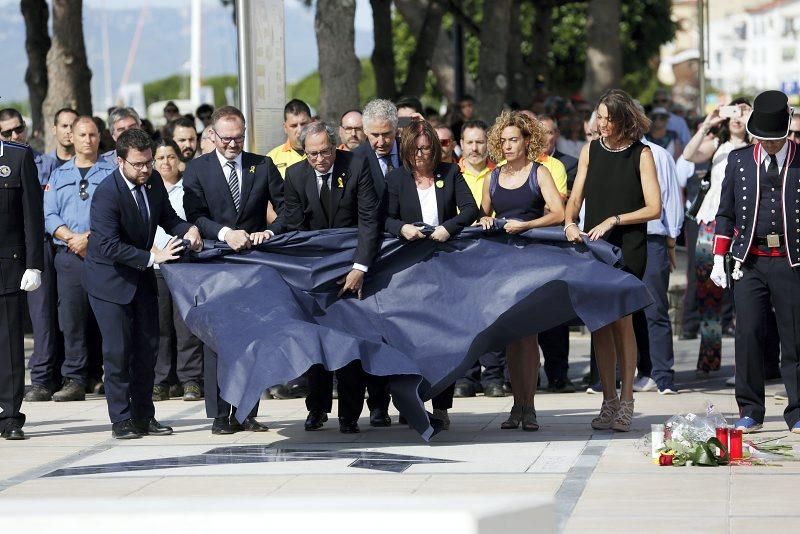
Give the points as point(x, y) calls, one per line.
point(429, 309)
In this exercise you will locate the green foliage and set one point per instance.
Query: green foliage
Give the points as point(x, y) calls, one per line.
point(177, 87)
point(23, 106)
point(404, 42)
point(307, 89)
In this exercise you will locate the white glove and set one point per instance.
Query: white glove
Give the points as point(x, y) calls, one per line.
point(31, 280)
point(718, 272)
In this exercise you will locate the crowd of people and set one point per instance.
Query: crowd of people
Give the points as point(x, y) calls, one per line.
point(616, 171)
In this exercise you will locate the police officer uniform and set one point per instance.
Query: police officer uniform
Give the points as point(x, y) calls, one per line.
point(21, 236)
point(48, 350)
point(66, 203)
point(758, 222)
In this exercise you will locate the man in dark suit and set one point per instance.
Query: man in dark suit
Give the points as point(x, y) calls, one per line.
point(126, 208)
point(334, 189)
point(226, 194)
point(21, 264)
point(382, 152)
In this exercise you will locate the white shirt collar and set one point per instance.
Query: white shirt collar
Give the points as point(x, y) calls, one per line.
point(780, 156)
point(223, 161)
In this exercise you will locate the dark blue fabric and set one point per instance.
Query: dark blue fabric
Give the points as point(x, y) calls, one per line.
point(429, 309)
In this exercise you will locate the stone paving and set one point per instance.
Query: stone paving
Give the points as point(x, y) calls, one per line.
point(599, 481)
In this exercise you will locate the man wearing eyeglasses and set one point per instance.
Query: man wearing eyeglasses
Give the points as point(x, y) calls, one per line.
point(334, 189)
point(67, 201)
point(118, 273)
point(351, 130)
point(47, 352)
point(225, 194)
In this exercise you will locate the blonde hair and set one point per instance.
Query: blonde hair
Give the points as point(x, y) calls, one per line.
point(532, 130)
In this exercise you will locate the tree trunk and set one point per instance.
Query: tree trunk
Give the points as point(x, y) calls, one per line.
point(339, 68)
point(382, 54)
point(542, 31)
point(443, 60)
point(37, 43)
point(603, 49)
point(492, 82)
point(68, 73)
point(521, 80)
point(420, 62)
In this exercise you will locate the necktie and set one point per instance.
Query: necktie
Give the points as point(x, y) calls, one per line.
point(233, 184)
point(140, 201)
point(325, 195)
point(772, 169)
point(388, 160)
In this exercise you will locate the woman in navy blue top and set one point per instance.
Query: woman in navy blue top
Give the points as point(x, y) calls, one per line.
point(523, 193)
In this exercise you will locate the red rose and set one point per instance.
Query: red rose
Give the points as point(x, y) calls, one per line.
point(665, 459)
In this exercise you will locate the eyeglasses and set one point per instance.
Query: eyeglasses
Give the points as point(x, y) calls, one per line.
point(83, 185)
point(6, 134)
point(445, 142)
point(142, 165)
point(424, 149)
point(353, 129)
point(321, 154)
point(227, 140)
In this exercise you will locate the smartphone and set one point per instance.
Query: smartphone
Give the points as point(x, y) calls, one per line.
point(730, 112)
point(402, 122)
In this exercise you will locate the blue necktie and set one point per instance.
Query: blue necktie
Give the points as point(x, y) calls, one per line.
point(142, 205)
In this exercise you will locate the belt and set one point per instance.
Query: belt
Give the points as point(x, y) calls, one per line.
point(769, 241)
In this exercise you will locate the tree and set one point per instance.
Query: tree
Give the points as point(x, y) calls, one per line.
point(383, 52)
point(420, 63)
point(492, 79)
point(68, 72)
point(37, 44)
point(603, 50)
point(339, 68)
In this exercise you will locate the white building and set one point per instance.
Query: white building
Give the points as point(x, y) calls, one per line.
point(755, 49)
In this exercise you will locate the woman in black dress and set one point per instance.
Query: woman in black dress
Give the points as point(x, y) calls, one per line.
point(617, 180)
point(428, 192)
point(518, 191)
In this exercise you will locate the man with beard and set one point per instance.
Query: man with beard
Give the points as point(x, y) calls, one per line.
point(351, 130)
point(182, 131)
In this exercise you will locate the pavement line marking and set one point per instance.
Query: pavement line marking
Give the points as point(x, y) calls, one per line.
point(110, 443)
point(576, 479)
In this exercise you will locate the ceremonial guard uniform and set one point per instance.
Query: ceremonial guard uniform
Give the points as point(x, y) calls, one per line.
point(758, 222)
point(21, 237)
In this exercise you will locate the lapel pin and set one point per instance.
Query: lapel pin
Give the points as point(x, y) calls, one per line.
point(5, 171)
point(440, 183)
point(252, 169)
point(340, 183)
point(148, 186)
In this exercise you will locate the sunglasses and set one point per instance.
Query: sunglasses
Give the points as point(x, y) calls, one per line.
point(445, 142)
point(83, 185)
point(8, 133)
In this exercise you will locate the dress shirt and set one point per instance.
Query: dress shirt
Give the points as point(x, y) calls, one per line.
point(428, 205)
point(319, 175)
point(132, 188)
point(678, 124)
point(392, 155)
point(672, 211)
point(226, 170)
point(780, 156)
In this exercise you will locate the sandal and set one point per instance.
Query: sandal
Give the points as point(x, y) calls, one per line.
point(608, 412)
point(622, 421)
point(514, 418)
point(529, 423)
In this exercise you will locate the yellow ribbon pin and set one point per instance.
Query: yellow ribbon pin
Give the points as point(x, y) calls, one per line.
point(340, 183)
point(252, 169)
point(440, 183)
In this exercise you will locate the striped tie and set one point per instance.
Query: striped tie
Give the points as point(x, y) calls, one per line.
point(233, 184)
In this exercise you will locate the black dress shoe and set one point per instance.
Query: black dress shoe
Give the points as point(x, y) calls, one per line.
point(251, 425)
point(13, 431)
point(348, 426)
point(494, 390)
point(152, 427)
point(464, 390)
point(379, 418)
point(125, 430)
point(315, 419)
point(222, 425)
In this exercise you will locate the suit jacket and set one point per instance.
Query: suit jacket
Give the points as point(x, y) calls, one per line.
point(119, 244)
point(208, 202)
point(365, 151)
point(354, 202)
point(570, 164)
point(21, 216)
point(456, 205)
point(737, 216)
